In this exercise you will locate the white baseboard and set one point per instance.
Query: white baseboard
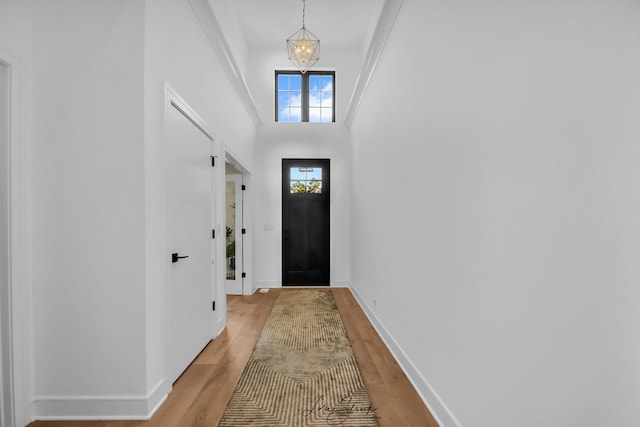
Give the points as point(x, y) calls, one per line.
point(267, 284)
point(51, 408)
point(341, 284)
point(222, 321)
point(157, 396)
point(436, 406)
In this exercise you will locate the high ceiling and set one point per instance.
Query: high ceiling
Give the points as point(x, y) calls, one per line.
point(339, 24)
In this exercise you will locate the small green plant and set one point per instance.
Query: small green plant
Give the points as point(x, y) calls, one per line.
point(231, 244)
point(231, 249)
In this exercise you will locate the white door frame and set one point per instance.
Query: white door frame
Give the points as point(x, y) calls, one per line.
point(15, 339)
point(6, 358)
point(235, 286)
point(246, 215)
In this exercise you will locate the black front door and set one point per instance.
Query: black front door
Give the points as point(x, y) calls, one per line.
point(305, 221)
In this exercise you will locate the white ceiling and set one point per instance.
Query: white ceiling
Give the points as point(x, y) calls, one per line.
point(339, 24)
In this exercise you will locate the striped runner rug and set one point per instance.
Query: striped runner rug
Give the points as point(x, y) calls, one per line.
point(302, 371)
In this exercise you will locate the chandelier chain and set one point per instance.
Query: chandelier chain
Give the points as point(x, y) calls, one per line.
point(304, 6)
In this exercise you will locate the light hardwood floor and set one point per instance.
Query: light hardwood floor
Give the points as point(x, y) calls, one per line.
point(200, 395)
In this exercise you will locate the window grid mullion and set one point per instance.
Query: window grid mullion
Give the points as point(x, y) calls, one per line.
point(305, 97)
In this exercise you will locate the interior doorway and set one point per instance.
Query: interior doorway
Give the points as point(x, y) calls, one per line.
point(234, 229)
point(306, 222)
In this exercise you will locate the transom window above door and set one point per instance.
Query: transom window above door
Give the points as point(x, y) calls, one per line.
point(308, 97)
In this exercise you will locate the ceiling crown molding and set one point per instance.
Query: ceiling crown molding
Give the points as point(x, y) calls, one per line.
point(385, 23)
point(206, 17)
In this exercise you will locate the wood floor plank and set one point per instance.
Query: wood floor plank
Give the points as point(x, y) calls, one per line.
point(201, 394)
point(212, 352)
point(368, 369)
point(208, 407)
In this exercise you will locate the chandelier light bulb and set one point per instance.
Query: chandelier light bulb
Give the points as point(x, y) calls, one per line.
point(303, 47)
point(304, 50)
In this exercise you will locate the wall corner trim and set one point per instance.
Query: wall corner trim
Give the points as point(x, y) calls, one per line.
point(388, 15)
point(437, 407)
point(16, 140)
point(217, 41)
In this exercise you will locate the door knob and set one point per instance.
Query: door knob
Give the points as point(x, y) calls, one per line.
point(176, 258)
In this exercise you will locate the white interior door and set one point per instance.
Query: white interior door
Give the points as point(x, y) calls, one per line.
point(190, 317)
point(233, 214)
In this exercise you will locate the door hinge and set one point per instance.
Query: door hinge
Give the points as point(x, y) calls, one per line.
point(213, 234)
point(244, 231)
point(243, 187)
point(244, 275)
point(214, 306)
point(213, 161)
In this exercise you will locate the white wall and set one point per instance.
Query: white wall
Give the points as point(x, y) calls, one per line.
point(498, 169)
point(230, 27)
point(88, 204)
point(275, 141)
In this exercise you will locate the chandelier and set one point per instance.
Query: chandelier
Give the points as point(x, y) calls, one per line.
point(303, 46)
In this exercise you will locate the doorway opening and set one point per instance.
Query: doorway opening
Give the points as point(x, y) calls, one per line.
point(234, 229)
point(306, 222)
